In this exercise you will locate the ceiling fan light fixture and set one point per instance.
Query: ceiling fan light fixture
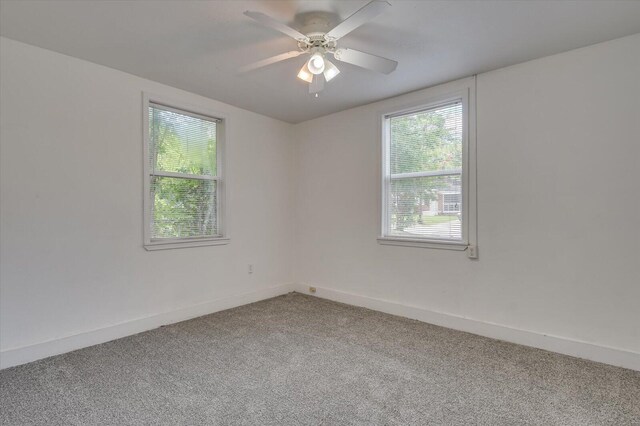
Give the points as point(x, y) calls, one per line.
point(316, 64)
point(330, 70)
point(305, 74)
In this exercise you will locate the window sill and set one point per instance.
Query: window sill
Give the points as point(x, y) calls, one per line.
point(415, 242)
point(162, 245)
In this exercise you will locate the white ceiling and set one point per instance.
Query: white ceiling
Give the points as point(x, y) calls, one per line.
point(198, 45)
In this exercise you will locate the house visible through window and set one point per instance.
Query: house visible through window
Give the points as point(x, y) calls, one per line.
point(424, 173)
point(451, 202)
point(183, 177)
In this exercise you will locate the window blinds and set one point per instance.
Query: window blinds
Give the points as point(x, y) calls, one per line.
point(424, 198)
point(183, 174)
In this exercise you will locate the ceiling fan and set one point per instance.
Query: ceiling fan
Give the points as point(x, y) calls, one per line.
point(319, 45)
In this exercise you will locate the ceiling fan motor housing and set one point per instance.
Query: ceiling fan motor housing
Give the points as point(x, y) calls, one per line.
point(317, 41)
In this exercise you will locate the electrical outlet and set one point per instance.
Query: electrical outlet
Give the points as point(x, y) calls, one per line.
point(250, 269)
point(472, 252)
point(312, 289)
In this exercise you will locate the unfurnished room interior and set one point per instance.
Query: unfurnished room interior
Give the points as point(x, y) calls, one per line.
point(319, 212)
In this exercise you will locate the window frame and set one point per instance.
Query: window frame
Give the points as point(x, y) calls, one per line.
point(221, 126)
point(458, 91)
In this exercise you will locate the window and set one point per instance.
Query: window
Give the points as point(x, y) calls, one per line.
point(183, 181)
point(451, 202)
point(426, 175)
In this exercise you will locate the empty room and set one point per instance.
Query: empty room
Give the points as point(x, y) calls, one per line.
point(319, 212)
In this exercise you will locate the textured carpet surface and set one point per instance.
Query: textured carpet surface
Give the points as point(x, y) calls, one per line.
point(297, 360)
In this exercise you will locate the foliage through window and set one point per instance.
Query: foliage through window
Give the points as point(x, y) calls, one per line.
point(424, 173)
point(183, 175)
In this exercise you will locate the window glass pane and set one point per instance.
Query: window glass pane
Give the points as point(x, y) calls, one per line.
point(183, 208)
point(181, 143)
point(426, 207)
point(427, 141)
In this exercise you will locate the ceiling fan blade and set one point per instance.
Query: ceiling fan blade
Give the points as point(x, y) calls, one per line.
point(271, 60)
point(366, 60)
point(317, 84)
point(362, 16)
point(276, 25)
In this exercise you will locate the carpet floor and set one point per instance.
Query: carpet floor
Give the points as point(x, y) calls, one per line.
point(299, 360)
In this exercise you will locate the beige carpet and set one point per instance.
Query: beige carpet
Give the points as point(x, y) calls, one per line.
point(298, 360)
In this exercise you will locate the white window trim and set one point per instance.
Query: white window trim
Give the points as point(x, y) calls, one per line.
point(464, 90)
point(221, 130)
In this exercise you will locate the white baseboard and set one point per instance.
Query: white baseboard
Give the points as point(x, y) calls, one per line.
point(604, 354)
point(563, 345)
point(25, 354)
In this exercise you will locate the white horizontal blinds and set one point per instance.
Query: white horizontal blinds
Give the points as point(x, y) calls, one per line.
point(425, 181)
point(183, 165)
point(183, 208)
point(182, 142)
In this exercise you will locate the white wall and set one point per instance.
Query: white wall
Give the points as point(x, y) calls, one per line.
point(558, 146)
point(72, 259)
